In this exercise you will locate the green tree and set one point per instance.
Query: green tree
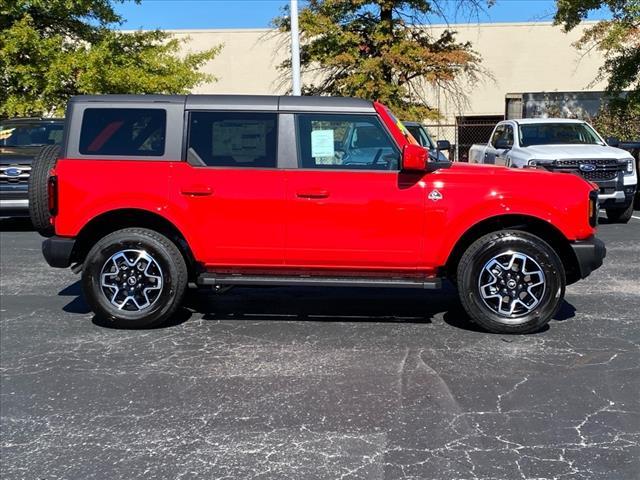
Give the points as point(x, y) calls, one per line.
point(619, 120)
point(53, 49)
point(375, 49)
point(618, 39)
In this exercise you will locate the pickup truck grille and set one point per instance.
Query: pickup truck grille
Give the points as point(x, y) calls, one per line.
point(12, 174)
point(605, 169)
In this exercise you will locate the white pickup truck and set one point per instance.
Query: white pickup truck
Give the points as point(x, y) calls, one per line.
point(563, 145)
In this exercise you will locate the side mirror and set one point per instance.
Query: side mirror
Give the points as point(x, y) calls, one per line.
point(613, 141)
point(414, 158)
point(502, 144)
point(443, 145)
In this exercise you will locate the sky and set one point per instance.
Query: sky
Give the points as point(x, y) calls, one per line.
point(202, 14)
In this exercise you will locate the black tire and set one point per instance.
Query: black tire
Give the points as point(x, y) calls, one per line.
point(471, 273)
point(620, 215)
point(162, 304)
point(38, 189)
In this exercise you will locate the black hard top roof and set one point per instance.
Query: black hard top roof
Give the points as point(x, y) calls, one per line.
point(411, 124)
point(241, 102)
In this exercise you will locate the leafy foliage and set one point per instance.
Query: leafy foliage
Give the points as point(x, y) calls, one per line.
point(375, 49)
point(53, 49)
point(619, 120)
point(618, 39)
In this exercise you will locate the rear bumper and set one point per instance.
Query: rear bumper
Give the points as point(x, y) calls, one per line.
point(590, 253)
point(57, 251)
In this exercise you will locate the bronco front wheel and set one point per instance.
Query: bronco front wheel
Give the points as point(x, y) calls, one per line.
point(134, 278)
point(511, 282)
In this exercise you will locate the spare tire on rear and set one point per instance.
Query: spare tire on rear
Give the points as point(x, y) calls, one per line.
point(38, 189)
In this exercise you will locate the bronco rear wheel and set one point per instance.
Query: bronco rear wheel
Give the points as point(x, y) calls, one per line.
point(38, 189)
point(134, 278)
point(511, 282)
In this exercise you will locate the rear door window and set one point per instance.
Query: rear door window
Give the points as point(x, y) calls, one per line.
point(123, 132)
point(233, 139)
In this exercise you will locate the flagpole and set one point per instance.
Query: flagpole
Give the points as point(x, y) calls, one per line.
point(295, 49)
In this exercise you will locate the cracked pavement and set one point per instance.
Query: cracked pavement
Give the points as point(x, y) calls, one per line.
point(304, 383)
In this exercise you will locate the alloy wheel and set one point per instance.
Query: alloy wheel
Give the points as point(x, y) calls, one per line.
point(131, 280)
point(512, 285)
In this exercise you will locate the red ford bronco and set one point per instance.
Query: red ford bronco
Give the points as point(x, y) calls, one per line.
point(151, 193)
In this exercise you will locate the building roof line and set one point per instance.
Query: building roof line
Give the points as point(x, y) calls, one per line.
point(426, 25)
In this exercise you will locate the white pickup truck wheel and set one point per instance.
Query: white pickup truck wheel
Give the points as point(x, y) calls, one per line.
point(620, 215)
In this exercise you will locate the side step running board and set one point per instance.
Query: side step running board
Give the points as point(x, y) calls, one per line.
point(318, 281)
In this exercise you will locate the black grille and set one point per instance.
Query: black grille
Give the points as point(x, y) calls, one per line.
point(599, 175)
point(14, 174)
point(605, 169)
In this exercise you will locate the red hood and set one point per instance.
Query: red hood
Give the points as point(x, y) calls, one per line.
point(530, 177)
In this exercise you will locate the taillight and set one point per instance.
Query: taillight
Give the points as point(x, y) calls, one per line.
point(52, 193)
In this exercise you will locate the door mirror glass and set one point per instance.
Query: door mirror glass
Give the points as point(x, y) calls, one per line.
point(414, 158)
point(443, 145)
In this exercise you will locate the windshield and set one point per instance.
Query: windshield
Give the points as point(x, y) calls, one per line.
point(558, 134)
point(420, 134)
point(26, 134)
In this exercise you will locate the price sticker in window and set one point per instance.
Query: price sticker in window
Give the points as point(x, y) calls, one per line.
point(322, 143)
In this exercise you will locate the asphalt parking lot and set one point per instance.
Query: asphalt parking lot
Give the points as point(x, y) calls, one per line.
point(303, 383)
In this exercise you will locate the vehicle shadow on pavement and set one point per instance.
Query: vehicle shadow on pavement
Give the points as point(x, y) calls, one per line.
point(323, 304)
point(457, 317)
point(565, 312)
point(79, 306)
point(180, 317)
point(315, 304)
point(16, 224)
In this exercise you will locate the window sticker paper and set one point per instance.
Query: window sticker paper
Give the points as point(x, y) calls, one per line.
point(322, 143)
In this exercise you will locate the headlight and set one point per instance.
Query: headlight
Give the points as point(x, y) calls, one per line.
point(630, 167)
point(539, 163)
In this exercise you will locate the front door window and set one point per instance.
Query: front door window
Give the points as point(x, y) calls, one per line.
point(345, 142)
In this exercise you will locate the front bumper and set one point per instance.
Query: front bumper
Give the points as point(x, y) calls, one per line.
point(14, 201)
point(57, 251)
point(14, 208)
point(619, 199)
point(590, 253)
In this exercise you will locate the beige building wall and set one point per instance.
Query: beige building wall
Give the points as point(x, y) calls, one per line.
point(521, 57)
